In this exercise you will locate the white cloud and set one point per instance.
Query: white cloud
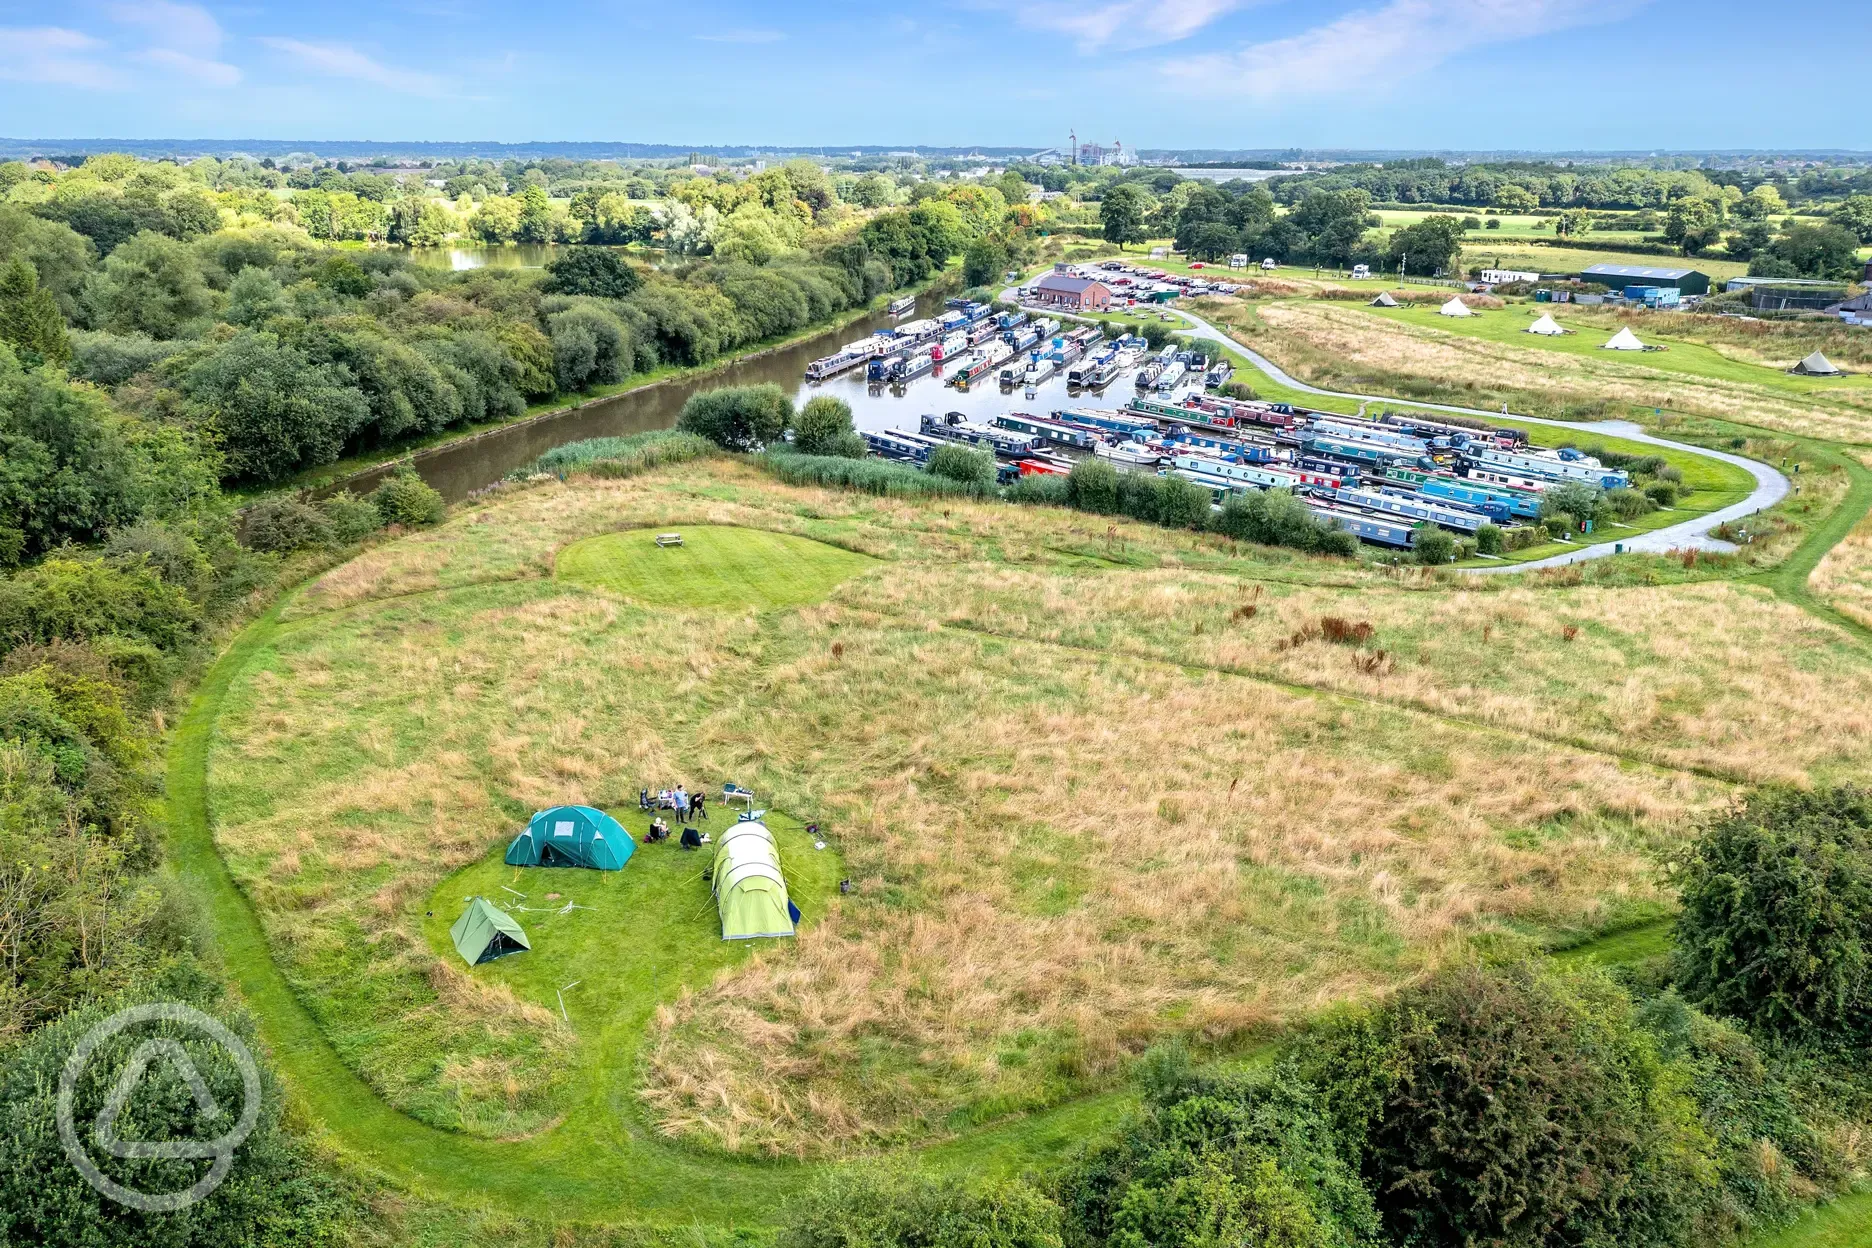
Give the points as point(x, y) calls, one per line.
point(1363, 49)
point(743, 36)
point(55, 55)
point(185, 40)
point(340, 60)
point(196, 69)
point(184, 27)
point(1141, 23)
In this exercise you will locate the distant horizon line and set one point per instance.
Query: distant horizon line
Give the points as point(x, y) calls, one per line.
point(631, 149)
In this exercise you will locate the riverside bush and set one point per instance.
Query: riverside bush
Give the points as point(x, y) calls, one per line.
point(969, 465)
point(1776, 927)
point(824, 427)
point(738, 418)
point(282, 525)
point(352, 518)
point(1433, 547)
point(405, 498)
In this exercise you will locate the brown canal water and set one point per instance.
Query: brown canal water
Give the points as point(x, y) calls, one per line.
point(458, 469)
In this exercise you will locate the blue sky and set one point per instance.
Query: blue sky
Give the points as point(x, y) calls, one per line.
point(1542, 74)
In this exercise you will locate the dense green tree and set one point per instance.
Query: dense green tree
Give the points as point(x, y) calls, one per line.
point(276, 410)
point(1431, 246)
point(1855, 215)
point(536, 222)
point(874, 190)
point(824, 427)
point(738, 418)
point(595, 271)
point(1212, 240)
point(30, 320)
point(1776, 925)
point(1820, 251)
point(254, 298)
point(1121, 214)
point(590, 347)
point(1511, 1106)
point(1013, 188)
point(967, 464)
point(1694, 223)
point(984, 261)
point(150, 285)
point(59, 255)
point(69, 470)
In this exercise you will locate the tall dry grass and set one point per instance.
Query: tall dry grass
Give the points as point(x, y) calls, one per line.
point(1340, 347)
point(1069, 835)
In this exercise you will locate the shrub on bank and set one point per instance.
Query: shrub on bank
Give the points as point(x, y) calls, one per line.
point(824, 427)
point(738, 418)
point(405, 498)
point(967, 464)
point(1776, 927)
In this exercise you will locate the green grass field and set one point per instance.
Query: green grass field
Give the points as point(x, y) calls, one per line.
point(713, 567)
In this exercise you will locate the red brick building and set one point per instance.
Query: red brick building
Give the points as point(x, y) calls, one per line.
point(1072, 294)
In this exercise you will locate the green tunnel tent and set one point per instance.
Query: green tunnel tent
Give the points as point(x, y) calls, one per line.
point(750, 890)
point(485, 932)
point(572, 836)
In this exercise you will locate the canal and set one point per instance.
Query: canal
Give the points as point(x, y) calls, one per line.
point(459, 468)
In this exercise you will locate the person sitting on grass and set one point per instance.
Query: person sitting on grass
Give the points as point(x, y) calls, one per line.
point(659, 831)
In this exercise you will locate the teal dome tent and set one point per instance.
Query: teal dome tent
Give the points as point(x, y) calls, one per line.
point(572, 836)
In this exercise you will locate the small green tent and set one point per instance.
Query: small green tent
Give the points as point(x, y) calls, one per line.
point(572, 836)
point(485, 932)
point(750, 891)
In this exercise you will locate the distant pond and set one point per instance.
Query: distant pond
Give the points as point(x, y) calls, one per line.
point(510, 256)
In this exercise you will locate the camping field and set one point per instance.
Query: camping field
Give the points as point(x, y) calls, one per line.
point(1418, 354)
point(1075, 771)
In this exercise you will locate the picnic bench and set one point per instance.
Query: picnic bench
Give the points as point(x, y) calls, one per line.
point(669, 539)
point(732, 792)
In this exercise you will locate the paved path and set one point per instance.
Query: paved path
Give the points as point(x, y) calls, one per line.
point(1770, 485)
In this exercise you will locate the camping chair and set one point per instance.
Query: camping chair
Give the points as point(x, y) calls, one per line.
point(669, 539)
point(732, 792)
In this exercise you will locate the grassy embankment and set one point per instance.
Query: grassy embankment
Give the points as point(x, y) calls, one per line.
point(1010, 941)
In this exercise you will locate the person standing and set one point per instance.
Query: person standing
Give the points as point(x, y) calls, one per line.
point(682, 805)
point(699, 803)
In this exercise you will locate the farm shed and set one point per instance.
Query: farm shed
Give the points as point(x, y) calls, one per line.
point(572, 836)
point(750, 891)
point(1619, 276)
point(485, 932)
